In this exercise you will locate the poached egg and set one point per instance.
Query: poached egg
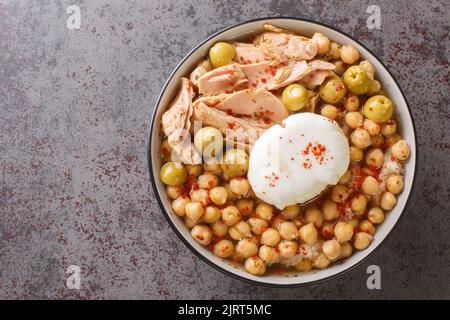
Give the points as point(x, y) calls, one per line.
point(294, 162)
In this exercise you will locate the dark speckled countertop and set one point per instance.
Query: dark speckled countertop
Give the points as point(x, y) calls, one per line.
point(75, 108)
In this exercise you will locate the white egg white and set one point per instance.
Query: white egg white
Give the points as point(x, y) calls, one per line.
point(284, 171)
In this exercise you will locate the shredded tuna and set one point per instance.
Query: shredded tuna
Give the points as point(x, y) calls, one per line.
point(258, 104)
point(244, 130)
point(283, 46)
point(223, 79)
point(176, 123)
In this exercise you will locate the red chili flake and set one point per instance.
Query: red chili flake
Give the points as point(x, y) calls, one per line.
point(292, 158)
point(264, 80)
point(266, 121)
point(229, 112)
point(211, 183)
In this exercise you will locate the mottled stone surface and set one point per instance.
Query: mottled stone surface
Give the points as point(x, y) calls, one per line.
point(75, 108)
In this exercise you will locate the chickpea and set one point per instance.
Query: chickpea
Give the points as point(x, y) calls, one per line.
point(291, 212)
point(257, 225)
point(288, 230)
point(361, 138)
point(321, 261)
point(330, 210)
point(387, 201)
point(329, 111)
point(240, 231)
point(270, 237)
point(224, 249)
point(194, 210)
point(375, 158)
point(277, 221)
point(255, 266)
point(354, 119)
point(287, 249)
point(339, 193)
point(245, 206)
point(368, 67)
point(356, 154)
point(351, 103)
point(245, 248)
point(308, 233)
point(370, 186)
point(389, 128)
point(395, 184)
point(200, 195)
point(304, 266)
point(208, 181)
point(367, 227)
point(323, 43)
point(211, 214)
point(190, 223)
point(392, 139)
point(343, 231)
point(268, 254)
point(335, 51)
point(230, 215)
point(378, 141)
point(358, 204)
point(202, 234)
point(179, 206)
point(194, 170)
point(264, 211)
point(375, 215)
point(362, 240)
point(345, 177)
point(400, 150)
point(231, 196)
point(354, 222)
point(371, 127)
point(313, 215)
point(213, 168)
point(349, 54)
point(346, 250)
point(240, 187)
point(327, 230)
point(219, 229)
point(339, 67)
point(374, 88)
point(174, 192)
point(218, 195)
point(331, 249)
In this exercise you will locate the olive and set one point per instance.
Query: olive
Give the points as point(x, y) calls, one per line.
point(357, 80)
point(221, 54)
point(173, 174)
point(332, 90)
point(235, 163)
point(295, 97)
point(378, 108)
point(209, 142)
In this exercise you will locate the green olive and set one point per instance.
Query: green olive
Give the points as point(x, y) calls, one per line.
point(357, 80)
point(295, 97)
point(378, 108)
point(235, 163)
point(221, 54)
point(209, 142)
point(332, 90)
point(173, 174)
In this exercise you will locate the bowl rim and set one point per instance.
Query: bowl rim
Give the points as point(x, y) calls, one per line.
point(158, 196)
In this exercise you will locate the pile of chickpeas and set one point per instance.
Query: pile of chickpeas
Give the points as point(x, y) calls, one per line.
point(217, 203)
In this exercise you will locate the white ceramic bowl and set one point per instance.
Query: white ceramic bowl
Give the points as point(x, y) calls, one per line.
point(307, 28)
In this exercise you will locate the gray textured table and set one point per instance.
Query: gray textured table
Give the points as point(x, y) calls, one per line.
point(75, 108)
